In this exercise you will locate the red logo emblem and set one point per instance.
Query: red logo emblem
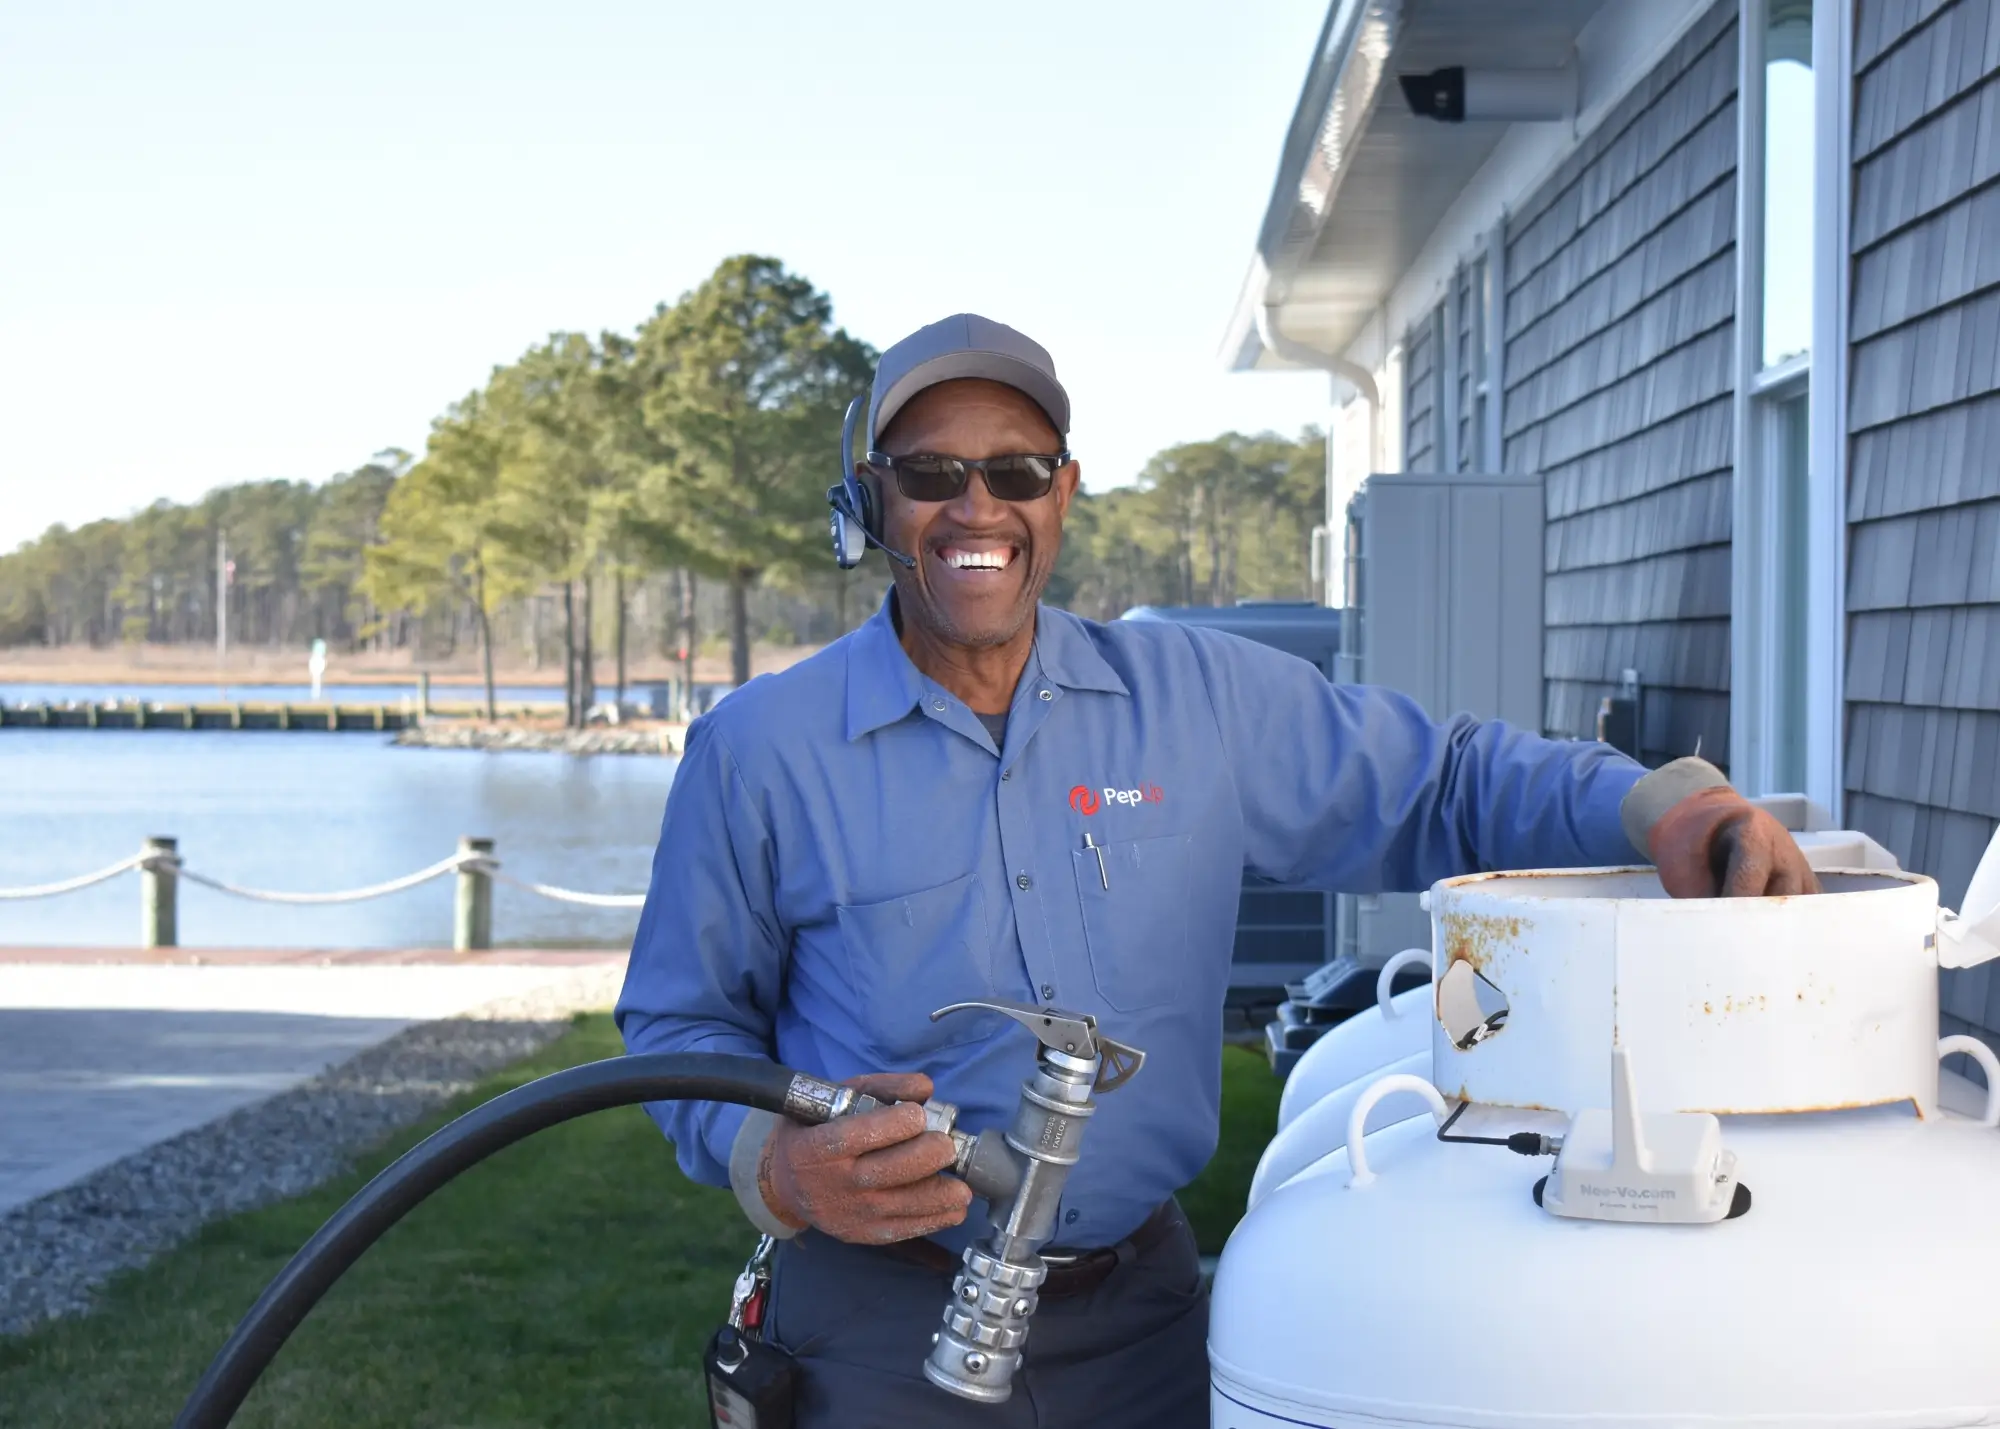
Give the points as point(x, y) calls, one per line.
point(1083, 801)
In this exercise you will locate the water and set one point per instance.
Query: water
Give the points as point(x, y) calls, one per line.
point(24, 693)
point(310, 812)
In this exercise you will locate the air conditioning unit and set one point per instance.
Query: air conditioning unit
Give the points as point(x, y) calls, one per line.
point(1444, 603)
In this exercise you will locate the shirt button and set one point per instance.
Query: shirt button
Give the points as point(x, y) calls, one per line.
point(1069, 1216)
point(937, 704)
point(1048, 990)
point(1047, 696)
point(1006, 774)
point(1024, 883)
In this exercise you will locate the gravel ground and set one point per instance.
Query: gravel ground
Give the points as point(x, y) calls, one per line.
point(56, 1251)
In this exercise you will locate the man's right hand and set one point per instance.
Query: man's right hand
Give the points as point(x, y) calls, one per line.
point(871, 1178)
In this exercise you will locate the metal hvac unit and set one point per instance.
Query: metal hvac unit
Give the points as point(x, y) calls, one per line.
point(1444, 603)
point(1282, 934)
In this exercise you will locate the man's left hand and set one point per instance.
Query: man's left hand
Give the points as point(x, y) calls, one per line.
point(1717, 844)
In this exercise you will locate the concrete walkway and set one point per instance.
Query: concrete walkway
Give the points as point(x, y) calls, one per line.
point(105, 1053)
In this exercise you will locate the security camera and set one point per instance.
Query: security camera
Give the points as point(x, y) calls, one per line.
point(1437, 95)
point(1456, 94)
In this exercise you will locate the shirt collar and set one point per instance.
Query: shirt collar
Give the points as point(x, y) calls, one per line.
point(1069, 656)
point(883, 685)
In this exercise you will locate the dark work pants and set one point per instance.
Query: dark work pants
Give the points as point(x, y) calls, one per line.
point(1131, 1353)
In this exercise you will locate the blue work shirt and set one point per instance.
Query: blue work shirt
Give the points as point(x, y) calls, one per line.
point(845, 850)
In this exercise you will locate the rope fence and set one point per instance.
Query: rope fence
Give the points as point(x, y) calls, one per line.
point(82, 880)
point(350, 895)
point(161, 868)
point(564, 895)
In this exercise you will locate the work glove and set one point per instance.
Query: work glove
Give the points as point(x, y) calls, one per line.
point(870, 1178)
point(1716, 844)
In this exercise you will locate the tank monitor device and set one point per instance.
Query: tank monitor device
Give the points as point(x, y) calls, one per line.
point(1667, 1168)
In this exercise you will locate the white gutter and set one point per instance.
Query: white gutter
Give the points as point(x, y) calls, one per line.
point(1352, 373)
point(1324, 572)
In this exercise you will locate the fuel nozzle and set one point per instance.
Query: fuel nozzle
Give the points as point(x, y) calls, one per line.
point(1021, 1173)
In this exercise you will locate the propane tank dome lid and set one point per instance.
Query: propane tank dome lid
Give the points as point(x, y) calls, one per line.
point(1729, 1005)
point(1643, 882)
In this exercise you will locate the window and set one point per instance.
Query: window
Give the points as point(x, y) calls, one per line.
point(1469, 366)
point(1788, 182)
point(1779, 558)
point(1784, 460)
point(1451, 395)
point(1425, 394)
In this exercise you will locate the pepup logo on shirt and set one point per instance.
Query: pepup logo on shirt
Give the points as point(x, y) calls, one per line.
point(1086, 801)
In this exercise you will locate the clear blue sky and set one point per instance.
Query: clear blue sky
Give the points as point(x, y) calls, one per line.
point(246, 241)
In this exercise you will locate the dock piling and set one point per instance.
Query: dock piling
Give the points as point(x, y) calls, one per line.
point(158, 896)
point(472, 914)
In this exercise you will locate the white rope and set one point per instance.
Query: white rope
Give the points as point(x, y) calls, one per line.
point(566, 895)
point(476, 862)
point(70, 885)
point(352, 895)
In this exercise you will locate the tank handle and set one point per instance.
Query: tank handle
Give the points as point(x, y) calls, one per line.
point(1983, 1055)
point(1971, 936)
point(1357, 1120)
point(1386, 981)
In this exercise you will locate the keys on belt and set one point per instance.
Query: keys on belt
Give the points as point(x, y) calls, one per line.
point(752, 1384)
point(752, 1293)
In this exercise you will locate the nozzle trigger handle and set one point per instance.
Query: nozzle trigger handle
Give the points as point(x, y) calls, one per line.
point(1072, 1033)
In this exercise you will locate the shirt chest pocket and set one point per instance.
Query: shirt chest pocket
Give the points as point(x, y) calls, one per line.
point(1135, 917)
point(909, 956)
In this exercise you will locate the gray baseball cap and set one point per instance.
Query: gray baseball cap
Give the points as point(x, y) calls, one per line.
point(965, 345)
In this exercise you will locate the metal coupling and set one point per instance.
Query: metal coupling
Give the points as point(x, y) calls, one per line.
point(978, 1350)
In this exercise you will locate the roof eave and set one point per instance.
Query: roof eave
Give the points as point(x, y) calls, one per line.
point(1333, 110)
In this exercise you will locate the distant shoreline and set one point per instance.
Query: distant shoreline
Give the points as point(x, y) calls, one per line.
point(252, 667)
point(276, 682)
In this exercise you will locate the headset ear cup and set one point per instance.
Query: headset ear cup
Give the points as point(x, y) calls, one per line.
point(868, 503)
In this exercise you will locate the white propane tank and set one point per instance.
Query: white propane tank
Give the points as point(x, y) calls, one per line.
point(1745, 1194)
point(1390, 1030)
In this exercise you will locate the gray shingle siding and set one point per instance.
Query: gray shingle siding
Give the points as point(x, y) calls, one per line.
point(1946, 457)
point(1926, 168)
point(1923, 499)
point(1943, 260)
point(1541, 327)
point(1619, 316)
point(1931, 65)
point(1885, 25)
point(1946, 658)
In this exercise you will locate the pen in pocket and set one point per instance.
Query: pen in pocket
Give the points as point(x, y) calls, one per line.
point(1103, 876)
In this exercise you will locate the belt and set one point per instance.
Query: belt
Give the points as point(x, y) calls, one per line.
point(1071, 1272)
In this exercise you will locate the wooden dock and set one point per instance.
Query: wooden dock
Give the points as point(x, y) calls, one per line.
point(317, 717)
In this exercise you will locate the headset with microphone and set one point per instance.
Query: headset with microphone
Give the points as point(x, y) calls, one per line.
point(857, 504)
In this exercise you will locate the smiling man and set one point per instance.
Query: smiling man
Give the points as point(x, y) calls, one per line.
point(977, 796)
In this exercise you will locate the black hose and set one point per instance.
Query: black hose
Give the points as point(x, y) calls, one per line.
point(459, 1146)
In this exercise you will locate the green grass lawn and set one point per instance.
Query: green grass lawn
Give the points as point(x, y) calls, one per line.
point(571, 1280)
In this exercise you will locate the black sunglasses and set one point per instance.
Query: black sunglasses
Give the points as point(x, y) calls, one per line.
point(925, 477)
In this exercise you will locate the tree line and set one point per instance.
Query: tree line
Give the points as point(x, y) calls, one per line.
point(656, 470)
